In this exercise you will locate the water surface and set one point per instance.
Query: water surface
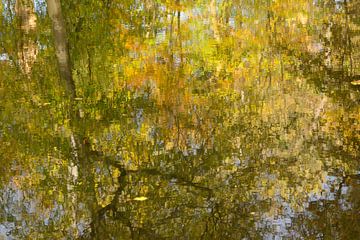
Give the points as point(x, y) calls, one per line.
point(192, 120)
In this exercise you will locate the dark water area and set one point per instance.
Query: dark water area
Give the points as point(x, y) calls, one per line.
point(184, 119)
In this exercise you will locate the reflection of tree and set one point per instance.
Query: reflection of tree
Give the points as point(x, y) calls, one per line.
point(61, 45)
point(27, 48)
point(159, 117)
point(336, 218)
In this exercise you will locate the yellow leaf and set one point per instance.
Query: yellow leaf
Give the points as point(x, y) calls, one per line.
point(355, 82)
point(140, 198)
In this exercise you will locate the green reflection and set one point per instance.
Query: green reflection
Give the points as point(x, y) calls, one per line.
point(179, 119)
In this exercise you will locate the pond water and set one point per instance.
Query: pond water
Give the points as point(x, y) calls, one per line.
point(185, 119)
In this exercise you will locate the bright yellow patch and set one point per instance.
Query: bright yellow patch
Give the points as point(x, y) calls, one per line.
point(140, 198)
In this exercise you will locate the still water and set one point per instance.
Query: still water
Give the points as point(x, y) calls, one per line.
point(185, 119)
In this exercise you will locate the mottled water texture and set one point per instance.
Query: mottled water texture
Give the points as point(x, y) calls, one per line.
point(183, 119)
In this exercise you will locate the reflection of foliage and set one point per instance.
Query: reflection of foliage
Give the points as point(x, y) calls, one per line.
point(206, 113)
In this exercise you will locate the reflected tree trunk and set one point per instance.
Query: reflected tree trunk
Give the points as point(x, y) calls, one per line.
point(179, 31)
point(64, 66)
point(348, 50)
point(27, 49)
point(214, 20)
point(215, 25)
point(61, 45)
point(171, 41)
